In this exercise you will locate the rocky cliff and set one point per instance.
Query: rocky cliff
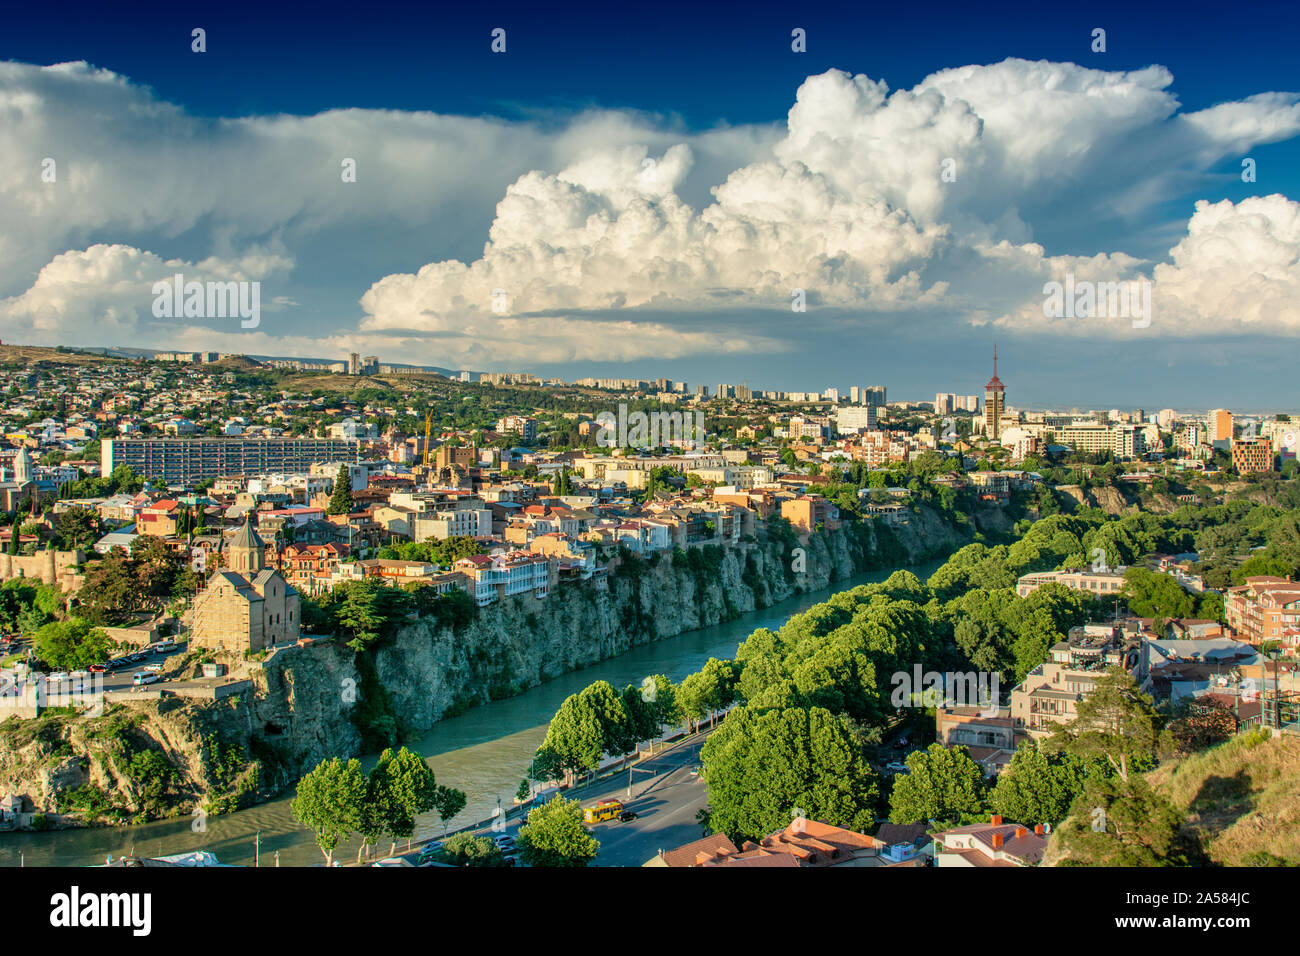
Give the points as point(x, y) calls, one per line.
point(308, 703)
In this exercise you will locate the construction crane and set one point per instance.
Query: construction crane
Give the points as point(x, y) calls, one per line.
point(428, 428)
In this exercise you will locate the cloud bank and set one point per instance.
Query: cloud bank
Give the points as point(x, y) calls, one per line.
point(613, 236)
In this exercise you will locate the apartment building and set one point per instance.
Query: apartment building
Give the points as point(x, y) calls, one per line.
point(398, 573)
point(308, 567)
point(159, 518)
point(1263, 609)
point(1108, 582)
point(990, 737)
point(575, 559)
point(991, 484)
point(1252, 456)
point(1050, 693)
point(521, 425)
point(462, 457)
point(811, 429)
point(1123, 441)
point(855, 418)
point(492, 577)
point(443, 514)
point(807, 512)
point(451, 523)
point(176, 460)
point(1219, 423)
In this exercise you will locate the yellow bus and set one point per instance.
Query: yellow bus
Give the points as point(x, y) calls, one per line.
point(605, 810)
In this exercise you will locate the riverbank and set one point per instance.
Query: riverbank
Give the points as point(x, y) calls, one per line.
point(483, 752)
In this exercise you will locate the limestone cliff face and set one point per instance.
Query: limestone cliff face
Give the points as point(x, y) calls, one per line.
point(304, 702)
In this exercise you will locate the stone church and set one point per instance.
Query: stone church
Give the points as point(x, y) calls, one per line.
point(17, 485)
point(245, 606)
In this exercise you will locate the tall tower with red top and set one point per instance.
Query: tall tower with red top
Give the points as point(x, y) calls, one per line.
point(995, 398)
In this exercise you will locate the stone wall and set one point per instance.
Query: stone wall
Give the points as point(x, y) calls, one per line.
point(47, 566)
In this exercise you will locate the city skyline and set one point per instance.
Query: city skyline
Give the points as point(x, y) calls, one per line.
point(861, 207)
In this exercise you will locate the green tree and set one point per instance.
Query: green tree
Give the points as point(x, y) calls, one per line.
point(707, 691)
point(466, 849)
point(78, 527)
point(1152, 594)
point(341, 499)
point(1038, 787)
point(1211, 607)
point(1114, 721)
point(588, 725)
point(330, 802)
point(641, 713)
point(111, 592)
point(72, 645)
point(663, 700)
point(450, 802)
point(942, 784)
point(401, 788)
point(762, 767)
point(367, 610)
point(554, 835)
point(1118, 822)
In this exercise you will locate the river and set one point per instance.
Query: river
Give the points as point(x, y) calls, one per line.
point(484, 752)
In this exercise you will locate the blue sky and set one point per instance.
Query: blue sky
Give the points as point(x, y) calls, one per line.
point(220, 161)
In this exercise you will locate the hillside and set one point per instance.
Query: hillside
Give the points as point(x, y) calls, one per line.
point(1240, 798)
point(1238, 801)
point(29, 355)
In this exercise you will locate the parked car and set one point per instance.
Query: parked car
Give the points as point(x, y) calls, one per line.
point(428, 852)
point(58, 677)
point(627, 816)
point(511, 859)
point(896, 767)
point(153, 668)
point(503, 841)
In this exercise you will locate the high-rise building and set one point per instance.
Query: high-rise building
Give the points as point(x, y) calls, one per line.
point(855, 418)
point(1219, 421)
point(192, 459)
point(995, 396)
point(874, 395)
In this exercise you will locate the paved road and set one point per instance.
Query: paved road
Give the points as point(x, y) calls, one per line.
point(665, 803)
point(121, 679)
